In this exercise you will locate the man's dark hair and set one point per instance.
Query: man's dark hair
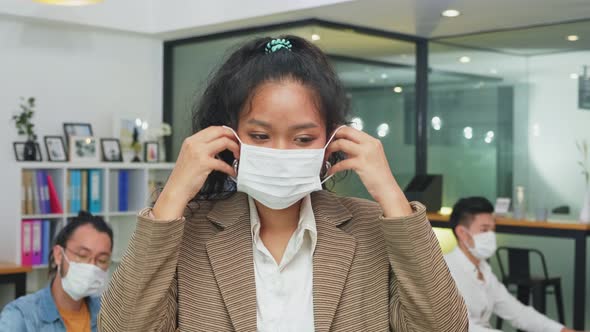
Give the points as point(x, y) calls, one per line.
point(466, 208)
point(64, 235)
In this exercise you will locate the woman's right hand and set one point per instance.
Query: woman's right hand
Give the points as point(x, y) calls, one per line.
point(196, 160)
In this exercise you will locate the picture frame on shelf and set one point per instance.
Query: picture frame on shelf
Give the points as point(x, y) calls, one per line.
point(56, 149)
point(19, 151)
point(131, 130)
point(84, 149)
point(151, 152)
point(111, 150)
point(77, 129)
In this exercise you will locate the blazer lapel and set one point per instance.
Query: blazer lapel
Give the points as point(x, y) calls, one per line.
point(332, 259)
point(230, 254)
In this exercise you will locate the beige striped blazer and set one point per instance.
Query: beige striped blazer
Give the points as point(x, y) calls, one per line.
point(369, 273)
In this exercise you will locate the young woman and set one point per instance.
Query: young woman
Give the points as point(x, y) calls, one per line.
point(280, 254)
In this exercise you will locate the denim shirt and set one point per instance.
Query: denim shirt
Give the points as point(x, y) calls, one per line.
point(38, 313)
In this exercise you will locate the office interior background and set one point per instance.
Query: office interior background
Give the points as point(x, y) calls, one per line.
point(489, 99)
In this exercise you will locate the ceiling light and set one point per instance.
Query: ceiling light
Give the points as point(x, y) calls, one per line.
point(383, 76)
point(490, 134)
point(315, 37)
point(69, 2)
point(573, 37)
point(464, 59)
point(356, 123)
point(488, 139)
point(383, 130)
point(574, 76)
point(451, 13)
point(398, 89)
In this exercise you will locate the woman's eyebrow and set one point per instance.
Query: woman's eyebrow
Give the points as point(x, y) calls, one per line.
point(259, 123)
point(300, 126)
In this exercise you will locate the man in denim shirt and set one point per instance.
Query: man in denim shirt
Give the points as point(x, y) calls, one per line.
point(78, 265)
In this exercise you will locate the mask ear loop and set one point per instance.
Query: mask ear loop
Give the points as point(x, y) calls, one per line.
point(236, 162)
point(328, 164)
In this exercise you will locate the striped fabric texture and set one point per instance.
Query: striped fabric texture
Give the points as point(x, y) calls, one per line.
point(369, 273)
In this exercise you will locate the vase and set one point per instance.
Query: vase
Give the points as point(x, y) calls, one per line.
point(585, 212)
point(30, 151)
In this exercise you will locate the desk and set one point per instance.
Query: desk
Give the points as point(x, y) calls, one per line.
point(577, 232)
point(15, 274)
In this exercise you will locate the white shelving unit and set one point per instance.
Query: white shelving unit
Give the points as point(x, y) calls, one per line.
point(122, 222)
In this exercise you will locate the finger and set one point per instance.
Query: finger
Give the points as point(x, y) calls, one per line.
point(351, 134)
point(349, 147)
point(212, 133)
point(343, 165)
point(221, 144)
point(222, 166)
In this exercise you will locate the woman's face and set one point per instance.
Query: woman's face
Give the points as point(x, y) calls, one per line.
point(282, 115)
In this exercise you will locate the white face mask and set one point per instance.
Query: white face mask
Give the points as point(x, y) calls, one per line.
point(278, 178)
point(484, 245)
point(83, 280)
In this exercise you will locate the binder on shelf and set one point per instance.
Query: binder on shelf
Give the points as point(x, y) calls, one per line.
point(35, 190)
point(36, 242)
point(23, 195)
point(94, 191)
point(123, 190)
point(26, 245)
point(28, 178)
point(43, 191)
point(45, 241)
point(75, 179)
point(84, 190)
point(54, 203)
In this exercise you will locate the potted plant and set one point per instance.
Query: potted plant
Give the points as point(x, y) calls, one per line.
point(25, 126)
point(584, 164)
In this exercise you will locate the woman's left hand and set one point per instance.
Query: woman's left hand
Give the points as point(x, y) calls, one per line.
point(365, 156)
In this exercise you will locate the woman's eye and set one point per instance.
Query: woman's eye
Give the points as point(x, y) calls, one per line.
point(304, 139)
point(259, 137)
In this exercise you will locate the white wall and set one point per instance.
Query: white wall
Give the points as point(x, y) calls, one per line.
point(77, 75)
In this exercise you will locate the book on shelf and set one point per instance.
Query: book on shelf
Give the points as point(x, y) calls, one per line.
point(54, 202)
point(123, 190)
point(94, 197)
point(84, 190)
point(26, 244)
point(37, 236)
point(39, 195)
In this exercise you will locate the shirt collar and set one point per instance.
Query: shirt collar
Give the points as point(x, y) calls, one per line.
point(306, 221)
point(462, 260)
point(48, 308)
point(49, 312)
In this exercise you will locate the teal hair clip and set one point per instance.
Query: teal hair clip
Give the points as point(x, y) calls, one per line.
point(277, 44)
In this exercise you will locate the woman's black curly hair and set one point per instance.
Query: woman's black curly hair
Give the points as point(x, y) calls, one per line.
point(233, 84)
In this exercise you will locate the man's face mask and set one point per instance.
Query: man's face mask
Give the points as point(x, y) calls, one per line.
point(484, 245)
point(82, 279)
point(278, 178)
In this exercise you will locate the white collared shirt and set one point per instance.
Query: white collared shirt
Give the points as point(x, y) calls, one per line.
point(284, 292)
point(491, 296)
